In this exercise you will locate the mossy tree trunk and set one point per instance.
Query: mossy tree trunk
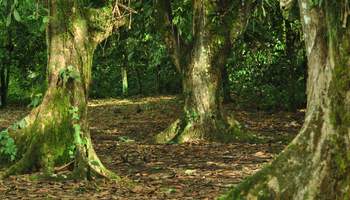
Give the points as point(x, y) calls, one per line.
point(57, 131)
point(200, 64)
point(316, 165)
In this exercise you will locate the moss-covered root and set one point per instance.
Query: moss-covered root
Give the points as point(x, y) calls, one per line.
point(39, 155)
point(23, 165)
point(85, 167)
point(89, 166)
point(256, 187)
point(184, 131)
point(170, 133)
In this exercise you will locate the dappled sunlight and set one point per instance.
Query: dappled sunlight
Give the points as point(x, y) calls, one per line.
point(122, 132)
point(176, 99)
point(123, 101)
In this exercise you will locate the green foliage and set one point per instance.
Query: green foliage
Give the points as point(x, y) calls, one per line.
point(267, 68)
point(10, 10)
point(77, 131)
point(69, 73)
point(316, 2)
point(191, 115)
point(19, 124)
point(141, 51)
point(22, 48)
point(71, 151)
point(36, 100)
point(8, 149)
point(261, 63)
point(182, 18)
point(74, 113)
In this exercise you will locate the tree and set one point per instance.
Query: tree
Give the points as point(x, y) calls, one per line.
point(226, 90)
point(5, 74)
point(124, 73)
point(199, 61)
point(57, 131)
point(124, 68)
point(323, 170)
point(6, 63)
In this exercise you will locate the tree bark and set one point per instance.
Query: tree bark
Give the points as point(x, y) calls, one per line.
point(200, 64)
point(226, 86)
point(59, 127)
point(4, 75)
point(125, 88)
point(139, 79)
point(323, 170)
point(5, 70)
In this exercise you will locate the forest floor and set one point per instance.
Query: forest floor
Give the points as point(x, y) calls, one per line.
point(122, 130)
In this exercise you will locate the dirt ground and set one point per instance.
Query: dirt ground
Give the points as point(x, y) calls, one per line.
point(122, 130)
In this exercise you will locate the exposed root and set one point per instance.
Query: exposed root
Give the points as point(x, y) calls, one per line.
point(97, 167)
point(170, 133)
point(103, 172)
point(182, 131)
point(19, 167)
point(64, 167)
point(87, 164)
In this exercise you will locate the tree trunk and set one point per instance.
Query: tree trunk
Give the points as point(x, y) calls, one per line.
point(57, 131)
point(124, 81)
point(139, 80)
point(226, 91)
point(290, 38)
point(5, 71)
point(202, 118)
point(158, 80)
point(200, 64)
point(4, 80)
point(323, 170)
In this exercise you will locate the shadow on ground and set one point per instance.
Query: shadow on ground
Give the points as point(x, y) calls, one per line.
point(122, 130)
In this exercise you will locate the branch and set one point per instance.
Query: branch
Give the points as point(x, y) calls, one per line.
point(240, 19)
point(286, 7)
point(125, 8)
point(102, 21)
point(286, 4)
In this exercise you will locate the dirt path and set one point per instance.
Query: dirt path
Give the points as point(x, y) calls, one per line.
point(122, 132)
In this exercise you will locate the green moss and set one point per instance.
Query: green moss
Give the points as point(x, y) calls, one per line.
point(64, 11)
point(280, 169)
point(99, 18)
point(169, 135)
point(58, 132)
point(254, 185)
point(50, 137)
point(339, 40)
point(242, 135)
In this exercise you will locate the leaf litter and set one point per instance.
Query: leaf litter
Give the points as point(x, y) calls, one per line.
point(122, 131)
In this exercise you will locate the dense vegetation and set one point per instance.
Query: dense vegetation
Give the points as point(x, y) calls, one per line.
point(269, 50)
